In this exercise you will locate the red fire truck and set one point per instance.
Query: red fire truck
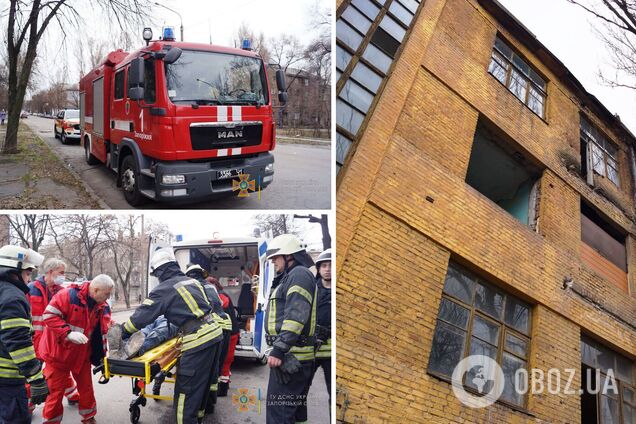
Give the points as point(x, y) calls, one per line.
point(180, 121)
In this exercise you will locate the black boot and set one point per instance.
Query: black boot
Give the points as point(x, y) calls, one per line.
point(223, 388)
point(209, 407)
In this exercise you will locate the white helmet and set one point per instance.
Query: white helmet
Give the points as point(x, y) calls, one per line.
point(19, 257)
point(323, 257)
point(161, 257)
point(196, 267)
point(285, 244)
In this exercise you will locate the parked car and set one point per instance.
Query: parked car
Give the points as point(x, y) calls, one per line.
point(24, 115)
point(67, 125)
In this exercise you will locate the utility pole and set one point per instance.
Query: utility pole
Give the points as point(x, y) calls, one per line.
point(324, 224)
point(173, 11)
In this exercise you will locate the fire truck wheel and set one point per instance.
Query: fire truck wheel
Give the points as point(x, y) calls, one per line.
point(88, 156)
point(130, 182)
point(63, 137)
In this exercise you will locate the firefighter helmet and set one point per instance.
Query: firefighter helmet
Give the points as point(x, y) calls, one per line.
point(323, 257)
point(19, 257)
point(196, 268)
point(161, 257)
point(285, 244)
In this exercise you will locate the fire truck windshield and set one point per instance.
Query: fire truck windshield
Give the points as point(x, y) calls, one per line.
point(216, 78)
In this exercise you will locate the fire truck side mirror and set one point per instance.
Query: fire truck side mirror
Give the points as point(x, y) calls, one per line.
point(282, 86)
point(136, 79)
point(173, 55)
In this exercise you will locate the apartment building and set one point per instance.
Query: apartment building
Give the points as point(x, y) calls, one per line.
point(485, 206)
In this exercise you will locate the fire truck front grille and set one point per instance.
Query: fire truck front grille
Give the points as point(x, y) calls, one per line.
point(218, 136)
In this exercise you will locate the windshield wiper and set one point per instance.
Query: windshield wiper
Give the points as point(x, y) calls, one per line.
point(199, 101)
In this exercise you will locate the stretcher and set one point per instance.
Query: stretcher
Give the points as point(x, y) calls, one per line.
point(155, 365)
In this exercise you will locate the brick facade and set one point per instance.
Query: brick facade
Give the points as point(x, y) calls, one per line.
point(405, 209)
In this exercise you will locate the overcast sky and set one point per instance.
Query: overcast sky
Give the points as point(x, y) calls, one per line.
point(566, 30)
point(202, 20)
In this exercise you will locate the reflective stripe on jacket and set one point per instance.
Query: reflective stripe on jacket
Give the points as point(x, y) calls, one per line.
point(39, 297)
point(69, 311)
point(291, 312)
point(180, 299)
point(17, 355)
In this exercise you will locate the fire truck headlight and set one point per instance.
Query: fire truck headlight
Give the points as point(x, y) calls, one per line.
point(269, 168)
point(173, 179)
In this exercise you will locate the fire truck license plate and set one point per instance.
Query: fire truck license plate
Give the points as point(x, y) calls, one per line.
point(228, 173)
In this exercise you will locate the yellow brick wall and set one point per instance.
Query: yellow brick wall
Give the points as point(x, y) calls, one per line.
point(417, 145)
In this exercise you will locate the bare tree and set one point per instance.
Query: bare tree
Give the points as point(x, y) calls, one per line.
point(29, 229)
point(277, 224)
point(80, 238)
point(124, 244)
point(28, 20)
point(617, 30)
point(324, 225)
point(259, 44)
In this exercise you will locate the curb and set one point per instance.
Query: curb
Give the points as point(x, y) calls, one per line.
point(77, 176)
point(305, 141)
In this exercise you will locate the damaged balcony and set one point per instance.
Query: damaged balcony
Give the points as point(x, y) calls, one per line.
point(603, 247)
point(504, 175)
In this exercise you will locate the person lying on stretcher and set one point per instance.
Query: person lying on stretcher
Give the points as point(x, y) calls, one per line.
point(140, 342)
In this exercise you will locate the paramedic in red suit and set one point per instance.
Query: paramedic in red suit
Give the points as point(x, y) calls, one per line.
point(75, 325)
point(228, 307)
point(41, 292)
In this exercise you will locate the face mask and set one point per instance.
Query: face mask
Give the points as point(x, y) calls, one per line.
point(59, 280)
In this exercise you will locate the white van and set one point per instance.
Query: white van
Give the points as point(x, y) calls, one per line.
point(233, 261)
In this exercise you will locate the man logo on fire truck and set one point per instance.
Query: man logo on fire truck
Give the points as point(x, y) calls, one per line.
point(178, 121)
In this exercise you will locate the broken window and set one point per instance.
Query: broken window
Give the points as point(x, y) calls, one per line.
point(503, 175)
point(369, 34)
point(597, 154)
point(515, 73)
point(603, 247)
point(607, 385)
point(476, 318)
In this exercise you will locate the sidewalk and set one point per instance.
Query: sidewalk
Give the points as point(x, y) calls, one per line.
point(35, 178)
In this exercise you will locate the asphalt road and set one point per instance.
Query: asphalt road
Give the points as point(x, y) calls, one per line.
point(114, 398)
point(302, 177)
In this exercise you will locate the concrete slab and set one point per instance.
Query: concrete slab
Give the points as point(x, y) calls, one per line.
point(11, 170)
point(11, 189)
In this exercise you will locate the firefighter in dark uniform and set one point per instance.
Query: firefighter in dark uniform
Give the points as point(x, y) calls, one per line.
point(182, 301)
point(323, 317)
point(290, 323)
point(220, 317)
point(18, 364)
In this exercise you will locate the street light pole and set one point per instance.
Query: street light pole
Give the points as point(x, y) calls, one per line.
point(173, 11)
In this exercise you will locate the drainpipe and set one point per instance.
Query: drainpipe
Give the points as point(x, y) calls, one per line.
point(632, 162)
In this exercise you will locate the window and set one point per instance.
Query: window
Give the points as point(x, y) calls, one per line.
point(603, 247)
point(503, 175)
point(476, 318)
point(615, 402)
point(598, 154)
point(515, 73)
point(119, 85)
point(368, 36)
point(150, 90)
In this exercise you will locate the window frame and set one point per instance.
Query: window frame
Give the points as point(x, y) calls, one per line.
point(119, 72)
point(621, 384)
point(586, 137)
point(356, 56)
point(504, 330)
point(520, 72)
